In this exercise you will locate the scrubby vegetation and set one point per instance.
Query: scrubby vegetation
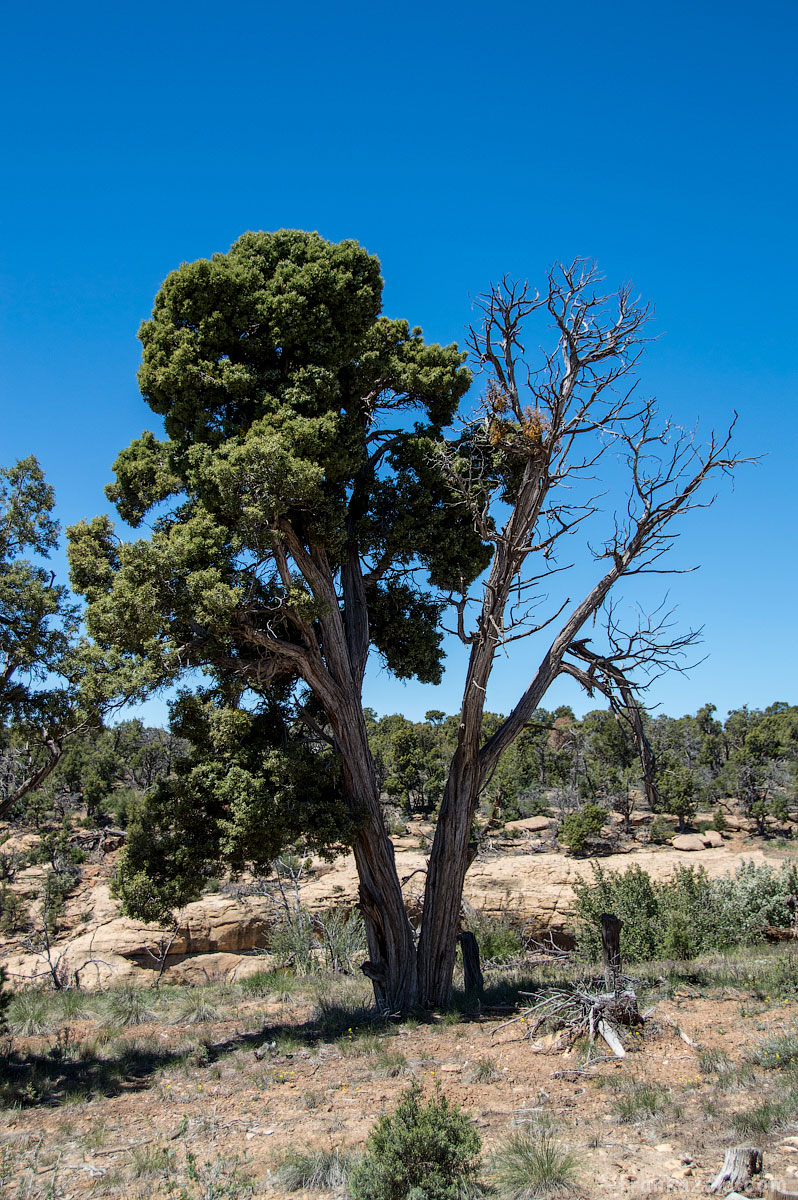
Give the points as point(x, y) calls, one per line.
point(690, 913)
point(425, 1150)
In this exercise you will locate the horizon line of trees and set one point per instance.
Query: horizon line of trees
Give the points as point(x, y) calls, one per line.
point(558, 762)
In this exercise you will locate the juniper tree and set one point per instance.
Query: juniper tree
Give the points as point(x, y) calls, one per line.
point(297, 520)
point(312, 500)
point(39, 624)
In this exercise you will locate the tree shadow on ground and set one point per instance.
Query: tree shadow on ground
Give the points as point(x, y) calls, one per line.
point(67, 1073)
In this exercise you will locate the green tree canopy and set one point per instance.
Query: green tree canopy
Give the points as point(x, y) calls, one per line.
point(296, 518)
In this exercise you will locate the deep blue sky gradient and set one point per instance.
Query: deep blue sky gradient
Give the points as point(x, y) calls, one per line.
point(458, 142)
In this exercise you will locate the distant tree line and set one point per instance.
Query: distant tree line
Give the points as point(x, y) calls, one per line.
point(562, 762)
point(558, 764)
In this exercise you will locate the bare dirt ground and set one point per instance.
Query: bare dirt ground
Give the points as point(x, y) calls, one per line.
point(198, 1092)
point(108, 1108)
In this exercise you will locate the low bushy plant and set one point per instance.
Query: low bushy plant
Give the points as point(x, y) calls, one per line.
point(322, 1170)
point(640, 1102)
point(778, 1052)
point(661, 830)
point(343, 939)
point(13, 911)
point(498, 940)
point(579, 827)
point(427, 1151)
point(532, 1163)
point(292, 941)
point(686, 915)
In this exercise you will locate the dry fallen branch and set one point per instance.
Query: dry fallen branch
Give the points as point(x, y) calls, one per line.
point(581, 1012)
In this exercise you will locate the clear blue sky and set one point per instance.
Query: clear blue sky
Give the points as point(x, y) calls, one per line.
point(458, 142)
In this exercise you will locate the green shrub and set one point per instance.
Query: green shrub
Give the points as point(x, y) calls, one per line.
point(632, 896)
point(661, 830)
point(719, 821)
point(292, 941)
point(343, 939)
point(498, 941)
point(13, 911)
point(578, 828)
point(424, 1151)
point(687, 915)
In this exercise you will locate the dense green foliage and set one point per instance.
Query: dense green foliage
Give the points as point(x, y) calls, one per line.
point(688, 914)
point(578, 827)
point(38, 632)
point(424, 1151)
point(562, 763)
point(280, 510)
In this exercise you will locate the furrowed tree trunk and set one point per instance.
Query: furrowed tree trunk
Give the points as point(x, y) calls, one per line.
point(450, 858)
point(392, 965)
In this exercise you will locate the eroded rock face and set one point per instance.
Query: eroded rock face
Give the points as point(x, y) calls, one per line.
point(222, 935)
point(218, 929)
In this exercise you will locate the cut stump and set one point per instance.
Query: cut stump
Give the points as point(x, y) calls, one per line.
point(739, 1165)
point(611, 949)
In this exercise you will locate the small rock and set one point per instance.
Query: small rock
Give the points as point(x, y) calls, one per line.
point(549, 1043)
point(664, 1148)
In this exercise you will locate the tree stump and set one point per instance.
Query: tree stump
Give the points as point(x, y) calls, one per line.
point(473, 981)
point(611, 949)
point(739, 1164)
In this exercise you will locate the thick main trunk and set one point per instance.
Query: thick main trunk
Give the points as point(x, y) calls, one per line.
point(449, 860)
point(391, 941)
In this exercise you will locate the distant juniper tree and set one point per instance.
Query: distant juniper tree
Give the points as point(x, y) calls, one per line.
point(42, 704)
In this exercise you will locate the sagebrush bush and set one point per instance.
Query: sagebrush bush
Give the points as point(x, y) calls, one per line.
point(498, 940)
point(427, 1151)
point(686, 915)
